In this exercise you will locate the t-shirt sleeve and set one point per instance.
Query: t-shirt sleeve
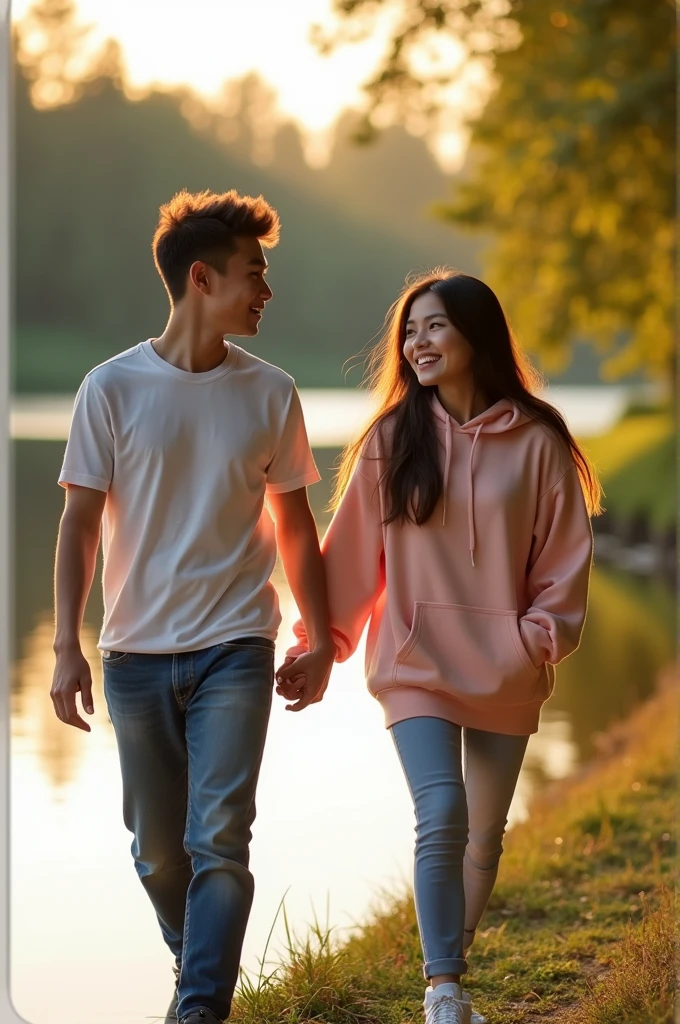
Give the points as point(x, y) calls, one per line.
point(88, 459)
point(292, 465)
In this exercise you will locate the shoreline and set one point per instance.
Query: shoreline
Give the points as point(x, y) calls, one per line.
point(581, 883)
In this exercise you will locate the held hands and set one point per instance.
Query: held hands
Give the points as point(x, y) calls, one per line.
point(304, 679)
point(71, 674)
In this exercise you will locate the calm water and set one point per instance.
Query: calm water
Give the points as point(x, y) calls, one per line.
point(334, 817)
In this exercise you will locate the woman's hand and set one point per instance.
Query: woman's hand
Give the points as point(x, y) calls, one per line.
point(304, 679)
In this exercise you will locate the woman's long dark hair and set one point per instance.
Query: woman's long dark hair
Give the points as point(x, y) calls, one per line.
point(412, 480)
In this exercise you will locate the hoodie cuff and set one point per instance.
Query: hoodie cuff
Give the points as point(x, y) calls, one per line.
point(340, 653)
point(297, 650)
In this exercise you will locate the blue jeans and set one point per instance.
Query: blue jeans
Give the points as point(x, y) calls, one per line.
point(459, 828)
point(191, 730)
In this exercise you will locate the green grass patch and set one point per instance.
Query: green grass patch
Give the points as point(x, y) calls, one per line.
point(580, 928)
point(638, 987)
point(635, 435)
point(53, 360)
point(646, 486)
point(636, 461)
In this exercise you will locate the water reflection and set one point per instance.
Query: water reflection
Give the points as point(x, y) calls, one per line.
point(334, 816)
point(628, 638)
point(36, 730)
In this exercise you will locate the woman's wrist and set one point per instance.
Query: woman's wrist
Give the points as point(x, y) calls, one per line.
point(322, 642)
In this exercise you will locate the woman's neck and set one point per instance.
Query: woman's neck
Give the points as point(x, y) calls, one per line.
point(462, 401)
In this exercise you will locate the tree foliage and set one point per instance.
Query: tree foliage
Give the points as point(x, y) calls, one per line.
point(91, 170)
point(59, 56)
point(571, 162)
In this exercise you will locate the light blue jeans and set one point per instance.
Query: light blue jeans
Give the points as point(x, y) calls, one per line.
point(191, 730)
point(460, 823)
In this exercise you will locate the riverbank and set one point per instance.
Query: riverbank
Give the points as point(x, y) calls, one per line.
point(636, 460)
point(580, 928)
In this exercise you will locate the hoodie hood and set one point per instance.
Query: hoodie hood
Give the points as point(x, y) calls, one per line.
point(500, 417)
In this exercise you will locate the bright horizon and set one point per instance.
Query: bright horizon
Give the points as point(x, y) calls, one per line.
point(223, 40)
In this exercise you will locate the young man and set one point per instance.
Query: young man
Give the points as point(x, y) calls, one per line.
point(174, 443)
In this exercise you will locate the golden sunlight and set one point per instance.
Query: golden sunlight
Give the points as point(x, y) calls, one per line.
point(214, 42)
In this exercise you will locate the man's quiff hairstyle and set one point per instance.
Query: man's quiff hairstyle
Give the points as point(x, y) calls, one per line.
point(204, 226)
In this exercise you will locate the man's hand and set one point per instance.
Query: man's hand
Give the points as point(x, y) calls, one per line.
point(77, 545)
point(71, 674)
point(304, 679)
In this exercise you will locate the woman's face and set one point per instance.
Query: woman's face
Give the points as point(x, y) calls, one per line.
point(436, 350)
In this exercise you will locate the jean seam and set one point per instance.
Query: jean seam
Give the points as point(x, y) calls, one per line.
point(175, 683)
point(188, 850)
point(408, 783)
point(192, 680)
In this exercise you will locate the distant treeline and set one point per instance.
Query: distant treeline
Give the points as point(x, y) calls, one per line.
point(91, 175)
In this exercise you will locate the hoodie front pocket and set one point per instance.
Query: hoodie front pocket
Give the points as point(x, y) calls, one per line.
point(470, 653)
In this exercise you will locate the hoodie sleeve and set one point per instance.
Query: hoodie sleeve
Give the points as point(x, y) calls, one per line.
point(354, 561)
point(559, 571)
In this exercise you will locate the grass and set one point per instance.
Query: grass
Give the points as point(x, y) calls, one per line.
point(647, 952)
point(632, 436)
point(636, 461)
point(646, 485)
point(580, 928)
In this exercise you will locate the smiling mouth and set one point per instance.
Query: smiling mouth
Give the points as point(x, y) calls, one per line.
point(427, 360)
point(254, 309)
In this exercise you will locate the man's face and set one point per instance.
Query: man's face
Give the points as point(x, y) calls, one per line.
point(235, 299)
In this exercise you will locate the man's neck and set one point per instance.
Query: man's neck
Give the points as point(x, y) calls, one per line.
point(190, 347)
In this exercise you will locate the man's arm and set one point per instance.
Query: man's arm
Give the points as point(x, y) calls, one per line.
point(77, 545)
point(298, 545)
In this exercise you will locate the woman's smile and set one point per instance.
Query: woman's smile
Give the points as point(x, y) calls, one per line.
point(434, 347)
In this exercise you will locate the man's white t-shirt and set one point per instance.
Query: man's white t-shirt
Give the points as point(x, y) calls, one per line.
point(185, 460)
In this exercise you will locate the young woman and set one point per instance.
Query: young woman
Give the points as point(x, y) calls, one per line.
point(462, 530)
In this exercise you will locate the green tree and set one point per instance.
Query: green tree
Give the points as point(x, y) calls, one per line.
point(92, 168)
point(571, 161)
point(59, 56)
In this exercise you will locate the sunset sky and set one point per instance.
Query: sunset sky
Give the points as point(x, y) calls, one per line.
point(208, 42)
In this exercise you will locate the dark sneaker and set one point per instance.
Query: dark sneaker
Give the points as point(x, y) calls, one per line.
point(171, 1014)
point(199, 1016)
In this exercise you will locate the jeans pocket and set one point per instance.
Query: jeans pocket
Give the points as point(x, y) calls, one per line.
point(112, 659)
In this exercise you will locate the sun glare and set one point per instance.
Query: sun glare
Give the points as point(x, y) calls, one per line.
point(208, 43)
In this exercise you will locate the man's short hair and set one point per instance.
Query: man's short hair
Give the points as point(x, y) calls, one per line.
point(204, 226)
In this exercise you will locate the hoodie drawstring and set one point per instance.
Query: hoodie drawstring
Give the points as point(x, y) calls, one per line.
point(471, 499)
point(471, 496)
point(447, 466)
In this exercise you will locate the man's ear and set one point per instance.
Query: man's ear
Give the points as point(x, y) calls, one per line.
point(199, 277)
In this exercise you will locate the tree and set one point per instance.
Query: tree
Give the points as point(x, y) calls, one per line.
point(59, 56)
point(571, 163)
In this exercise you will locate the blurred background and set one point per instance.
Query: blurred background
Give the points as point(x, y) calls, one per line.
point(530, 143)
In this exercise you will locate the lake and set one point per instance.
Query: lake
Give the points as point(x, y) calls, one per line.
point(334, 825)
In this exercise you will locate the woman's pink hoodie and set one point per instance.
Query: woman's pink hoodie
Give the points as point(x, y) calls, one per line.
point(470, 612)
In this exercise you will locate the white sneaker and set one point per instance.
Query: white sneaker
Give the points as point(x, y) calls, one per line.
point(447, 1004)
